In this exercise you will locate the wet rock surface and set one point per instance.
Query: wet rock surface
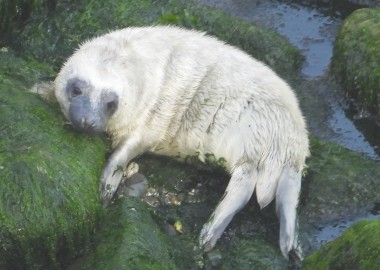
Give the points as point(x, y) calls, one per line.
point(356, 248)
point(370, 3)
point(356, 60)
point(129, 238)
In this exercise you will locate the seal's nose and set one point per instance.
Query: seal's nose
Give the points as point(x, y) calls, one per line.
point(84, 117)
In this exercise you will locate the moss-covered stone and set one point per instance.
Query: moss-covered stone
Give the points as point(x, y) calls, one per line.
point(129, 239)
point(357, 248)
point(370, 3)
point(13, 13)
point(356, 58)
point(48, 175)
point(339, 183)
point(52, 38)
point(253, 253)
point(264, 45)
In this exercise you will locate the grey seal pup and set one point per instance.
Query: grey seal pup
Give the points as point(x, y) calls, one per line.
point(181, 93)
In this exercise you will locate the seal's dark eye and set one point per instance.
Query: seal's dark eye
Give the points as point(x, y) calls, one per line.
point(111, 102)
point(111, 106)
point(76, 87)
point(76, 91)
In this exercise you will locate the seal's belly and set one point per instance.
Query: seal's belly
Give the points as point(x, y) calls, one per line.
point(191, 149)
point(179, 151)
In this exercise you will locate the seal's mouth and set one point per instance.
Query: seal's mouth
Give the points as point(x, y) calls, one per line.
point(86, 125)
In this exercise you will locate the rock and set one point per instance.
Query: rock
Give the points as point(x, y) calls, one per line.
point(129, 239)
point(253, 253)
point(369, 3)
point(356, 59)
point(74, 23)
point(357, 248)
point(14, 13)
point(133, 183)
point(338, 183)
point(49, 175)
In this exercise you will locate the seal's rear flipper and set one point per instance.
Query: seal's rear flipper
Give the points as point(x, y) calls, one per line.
point(236, 196)
point(287, 193)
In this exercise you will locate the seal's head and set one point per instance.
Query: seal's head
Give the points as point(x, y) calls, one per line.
point(88, 89)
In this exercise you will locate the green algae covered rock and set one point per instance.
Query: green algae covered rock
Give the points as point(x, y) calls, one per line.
point(258, 42)
point(284, 58)
point(52, 38)
point(133, 235)
point(338, 183)
point(48, 175)
point(129, 239)
point(356, 59)
point(253, 253)
point(357, 248)
point(13, 13)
